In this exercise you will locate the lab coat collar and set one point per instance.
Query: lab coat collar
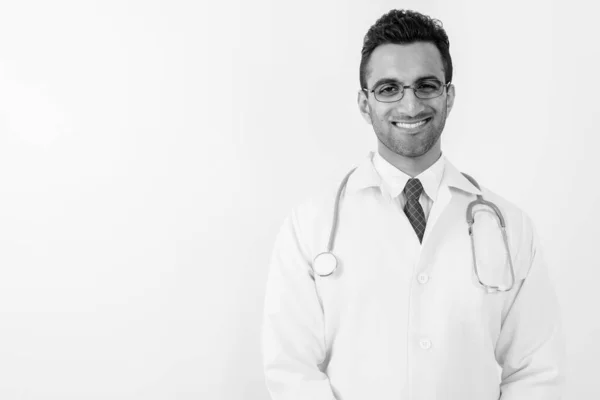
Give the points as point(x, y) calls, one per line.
point(454, 178)
point(366, 176)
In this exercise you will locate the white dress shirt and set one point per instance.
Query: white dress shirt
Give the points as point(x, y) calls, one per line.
point(395, 180)
point(403, 320)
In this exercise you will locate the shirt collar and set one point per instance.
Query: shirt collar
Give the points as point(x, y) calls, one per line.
point(395, 180)
point(442, 171)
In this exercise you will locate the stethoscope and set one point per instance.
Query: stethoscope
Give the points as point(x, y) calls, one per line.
point(325, 263)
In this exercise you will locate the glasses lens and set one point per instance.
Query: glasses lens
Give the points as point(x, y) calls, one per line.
point(429, 89)
point(388, 92)
point(391, 92)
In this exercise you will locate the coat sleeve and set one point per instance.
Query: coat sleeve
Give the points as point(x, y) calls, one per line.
point(531, 345)
point(293, 339)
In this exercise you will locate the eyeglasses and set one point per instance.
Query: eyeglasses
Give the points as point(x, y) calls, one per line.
point(390, 92)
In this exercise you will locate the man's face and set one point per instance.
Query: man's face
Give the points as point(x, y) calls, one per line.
point(410, 127)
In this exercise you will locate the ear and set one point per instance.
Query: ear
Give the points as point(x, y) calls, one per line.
point(363, 106)
point(450, 98)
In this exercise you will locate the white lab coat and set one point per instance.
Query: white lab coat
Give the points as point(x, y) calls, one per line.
point(401, 320)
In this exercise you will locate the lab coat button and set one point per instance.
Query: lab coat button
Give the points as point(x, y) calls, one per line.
point(423, 278)
point(425, 344)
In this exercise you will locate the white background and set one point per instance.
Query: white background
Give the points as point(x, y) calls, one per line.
point(149, 151)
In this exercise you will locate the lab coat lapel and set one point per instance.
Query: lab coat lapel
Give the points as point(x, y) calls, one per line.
point(443, 200)
point(447, 215)
point(449, 209)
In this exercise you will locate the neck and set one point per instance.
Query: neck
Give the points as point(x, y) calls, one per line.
point(411, 166)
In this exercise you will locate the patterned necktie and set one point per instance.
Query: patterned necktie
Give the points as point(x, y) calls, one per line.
point(413, 209)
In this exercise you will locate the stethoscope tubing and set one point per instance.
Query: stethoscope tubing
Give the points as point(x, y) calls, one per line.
point(336, 212)
point(329, 259)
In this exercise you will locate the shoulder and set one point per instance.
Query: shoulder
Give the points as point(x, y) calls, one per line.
point(321, 203)
point(508, 209)
point(308, 222)
point(318, 204)
point(520, 229)
point(513, 211)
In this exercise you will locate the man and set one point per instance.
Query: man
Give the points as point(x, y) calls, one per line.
point(407, 314)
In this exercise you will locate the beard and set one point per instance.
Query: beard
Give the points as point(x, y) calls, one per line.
point(410, 145)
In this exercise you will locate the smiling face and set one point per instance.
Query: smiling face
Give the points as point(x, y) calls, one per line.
point(408, 130)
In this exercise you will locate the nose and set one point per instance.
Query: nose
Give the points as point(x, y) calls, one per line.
point(410, 104)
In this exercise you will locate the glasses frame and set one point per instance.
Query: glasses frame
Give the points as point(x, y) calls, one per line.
point(404, 87)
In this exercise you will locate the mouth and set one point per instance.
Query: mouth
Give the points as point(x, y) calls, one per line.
point(411, 125)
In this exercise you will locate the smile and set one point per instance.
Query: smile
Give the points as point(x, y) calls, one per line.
point(413, 125)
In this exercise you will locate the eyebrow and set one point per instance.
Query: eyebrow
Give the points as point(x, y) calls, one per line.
point(419, 79)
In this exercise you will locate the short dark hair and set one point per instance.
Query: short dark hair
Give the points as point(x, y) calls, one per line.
point(405, 27)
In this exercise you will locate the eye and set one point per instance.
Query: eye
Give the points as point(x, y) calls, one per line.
point(388, 89)
point(429, 86)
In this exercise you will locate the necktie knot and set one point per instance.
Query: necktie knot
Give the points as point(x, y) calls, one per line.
point(413, 189)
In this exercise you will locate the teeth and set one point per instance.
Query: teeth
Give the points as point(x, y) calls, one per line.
point(409, 126)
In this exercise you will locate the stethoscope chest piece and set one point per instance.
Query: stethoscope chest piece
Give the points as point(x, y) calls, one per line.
point(325, 264)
